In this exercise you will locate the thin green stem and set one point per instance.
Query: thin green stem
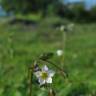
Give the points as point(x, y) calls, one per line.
point(30, 76)
point(63, 45)
point(51, 92)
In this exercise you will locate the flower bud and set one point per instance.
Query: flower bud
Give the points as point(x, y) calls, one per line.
point(59, 52)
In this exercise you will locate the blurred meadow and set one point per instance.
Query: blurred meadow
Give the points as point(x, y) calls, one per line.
point(22, 43)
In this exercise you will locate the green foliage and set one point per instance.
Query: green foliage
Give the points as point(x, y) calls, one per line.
point(20, 45)
point(93, 13)
point(79, 90)
point(27, 6)
point(77, 12)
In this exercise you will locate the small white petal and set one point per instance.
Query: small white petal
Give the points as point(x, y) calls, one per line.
point(49, 80)
point(51, 73)
point(37, 74)
point(41, 81)
point(45, 68)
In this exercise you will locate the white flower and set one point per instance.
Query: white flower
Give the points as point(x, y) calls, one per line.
point(59, 52)
point(62, 28)
point(70, 27)
point(45, 75)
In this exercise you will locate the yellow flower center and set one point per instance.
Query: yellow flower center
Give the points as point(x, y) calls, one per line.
point(44, 75)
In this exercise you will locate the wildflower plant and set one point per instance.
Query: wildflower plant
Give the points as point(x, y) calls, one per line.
point(64, 29)
point(40, 68)
point(44, 75)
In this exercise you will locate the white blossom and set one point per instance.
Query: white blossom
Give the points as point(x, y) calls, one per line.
point(59, 52)
point(62, 27)
point(45, 75)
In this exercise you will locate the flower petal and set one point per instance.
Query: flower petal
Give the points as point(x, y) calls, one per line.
point(51, 73)
point(45, 68)
point(37, 74)
point(41, 81)
point(49, 80)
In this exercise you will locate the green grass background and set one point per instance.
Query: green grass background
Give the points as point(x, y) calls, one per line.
point(20, 45)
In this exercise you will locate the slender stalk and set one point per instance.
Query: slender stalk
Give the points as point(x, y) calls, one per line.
point(11, 45)
point(30, 76)
point(51, 92)
point(63, 44)
point(30, 86)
